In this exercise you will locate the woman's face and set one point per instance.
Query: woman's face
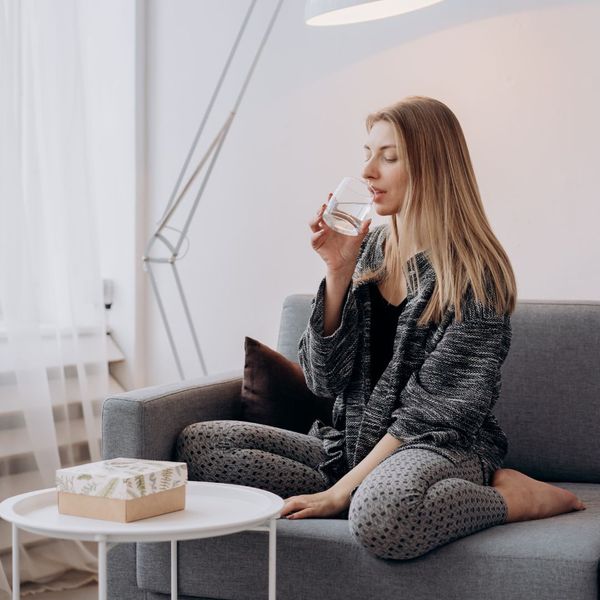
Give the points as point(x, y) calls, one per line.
point(385, 169)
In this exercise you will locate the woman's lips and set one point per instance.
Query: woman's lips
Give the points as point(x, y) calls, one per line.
point(377, 193)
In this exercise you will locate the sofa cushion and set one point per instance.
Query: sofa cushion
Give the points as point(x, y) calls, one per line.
point(553, 559)
point(548, 404)
point(274, 391)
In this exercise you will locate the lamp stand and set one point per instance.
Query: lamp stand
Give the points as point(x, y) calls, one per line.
point(170, 252)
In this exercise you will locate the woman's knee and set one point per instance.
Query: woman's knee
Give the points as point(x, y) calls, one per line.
point(205, 435)
point(201, 445)
point(384, 525)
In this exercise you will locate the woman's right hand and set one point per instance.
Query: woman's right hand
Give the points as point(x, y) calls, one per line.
point(339, 251)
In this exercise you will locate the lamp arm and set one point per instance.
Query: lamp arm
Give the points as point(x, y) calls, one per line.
point(166, 217)
point(228, 124)
point(212, 101)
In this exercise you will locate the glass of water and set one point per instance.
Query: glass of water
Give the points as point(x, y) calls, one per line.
point(349, 206)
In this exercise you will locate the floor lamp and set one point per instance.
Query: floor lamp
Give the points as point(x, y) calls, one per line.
point(169, 253)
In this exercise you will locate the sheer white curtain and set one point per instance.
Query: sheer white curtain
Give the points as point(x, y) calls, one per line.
point(53, 359)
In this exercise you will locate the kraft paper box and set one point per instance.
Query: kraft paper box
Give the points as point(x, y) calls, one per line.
point(122, 489)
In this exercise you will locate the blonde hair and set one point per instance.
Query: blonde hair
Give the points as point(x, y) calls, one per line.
point(444, 209)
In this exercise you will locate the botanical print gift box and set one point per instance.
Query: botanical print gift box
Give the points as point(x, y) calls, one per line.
point(122, 489)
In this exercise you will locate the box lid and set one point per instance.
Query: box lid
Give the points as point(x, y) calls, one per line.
point(122, 478)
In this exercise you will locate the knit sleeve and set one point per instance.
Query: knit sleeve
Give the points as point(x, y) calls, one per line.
point(448, 398)
point(328, 361)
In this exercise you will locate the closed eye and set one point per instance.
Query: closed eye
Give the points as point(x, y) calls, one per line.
point(389, 160)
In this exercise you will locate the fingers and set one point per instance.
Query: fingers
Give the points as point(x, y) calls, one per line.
point(296, 505)
point(316, 237)
point(302, 514)
point(290, 505)
point(298, 514)
point(317, 222)
point(364, 229)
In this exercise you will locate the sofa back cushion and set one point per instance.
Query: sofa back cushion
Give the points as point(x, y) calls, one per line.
point(549, 404)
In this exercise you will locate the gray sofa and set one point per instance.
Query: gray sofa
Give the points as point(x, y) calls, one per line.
point(550, 409)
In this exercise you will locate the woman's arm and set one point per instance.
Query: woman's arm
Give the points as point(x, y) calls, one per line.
point(328, 346)
point(336, 287)
point(328, 360)
point(349, 482)
point(337, 498)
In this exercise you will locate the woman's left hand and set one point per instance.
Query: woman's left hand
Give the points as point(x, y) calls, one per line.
point(323, 504)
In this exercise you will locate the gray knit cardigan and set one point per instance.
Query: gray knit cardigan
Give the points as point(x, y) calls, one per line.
point(437, 391)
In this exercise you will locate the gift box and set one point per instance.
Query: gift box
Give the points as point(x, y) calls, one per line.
point(122, 489)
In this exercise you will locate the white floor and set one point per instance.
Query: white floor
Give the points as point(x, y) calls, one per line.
point(89, 592)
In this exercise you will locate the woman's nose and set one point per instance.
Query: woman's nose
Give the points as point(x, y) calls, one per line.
point(368, 171)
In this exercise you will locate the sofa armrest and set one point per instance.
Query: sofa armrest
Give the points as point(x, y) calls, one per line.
point(145, 423)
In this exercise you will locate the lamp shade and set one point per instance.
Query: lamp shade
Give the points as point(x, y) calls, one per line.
point(341, 12)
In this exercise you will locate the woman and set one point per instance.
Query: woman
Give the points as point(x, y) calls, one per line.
point(412, 350)
point(408, 331)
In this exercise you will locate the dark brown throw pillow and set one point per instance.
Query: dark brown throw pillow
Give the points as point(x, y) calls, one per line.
point(274, 391)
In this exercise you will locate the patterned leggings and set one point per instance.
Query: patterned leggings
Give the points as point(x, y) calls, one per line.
point(412, 502)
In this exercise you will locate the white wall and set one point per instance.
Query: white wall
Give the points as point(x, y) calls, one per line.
point(115, 99)
point(522, 77)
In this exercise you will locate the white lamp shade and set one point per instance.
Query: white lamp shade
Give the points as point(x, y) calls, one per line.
point(342, 12)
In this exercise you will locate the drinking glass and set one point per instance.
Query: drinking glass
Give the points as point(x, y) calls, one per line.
point(349, 206)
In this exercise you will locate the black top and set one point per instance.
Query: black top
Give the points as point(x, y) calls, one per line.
point(384, 322)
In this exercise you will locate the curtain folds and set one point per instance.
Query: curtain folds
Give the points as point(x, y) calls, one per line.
point(53, 357)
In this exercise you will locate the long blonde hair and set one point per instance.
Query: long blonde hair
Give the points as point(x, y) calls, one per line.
point(443, 207)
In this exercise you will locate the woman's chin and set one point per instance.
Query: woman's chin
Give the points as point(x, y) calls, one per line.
point(385, 211)
point(382, 211)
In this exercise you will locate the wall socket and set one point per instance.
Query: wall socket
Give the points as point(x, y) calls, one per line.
point(108, 288)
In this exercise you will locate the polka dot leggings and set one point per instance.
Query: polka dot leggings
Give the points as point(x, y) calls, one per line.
point(412, 502)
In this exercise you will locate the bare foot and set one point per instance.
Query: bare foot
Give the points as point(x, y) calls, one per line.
point(528, 499)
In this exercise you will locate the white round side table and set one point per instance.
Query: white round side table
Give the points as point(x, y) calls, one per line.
point(211, 510)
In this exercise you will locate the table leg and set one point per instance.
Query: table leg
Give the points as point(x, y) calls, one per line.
point(272, 557)
point(101, 568)
point(16, 574)
point(173, 569)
